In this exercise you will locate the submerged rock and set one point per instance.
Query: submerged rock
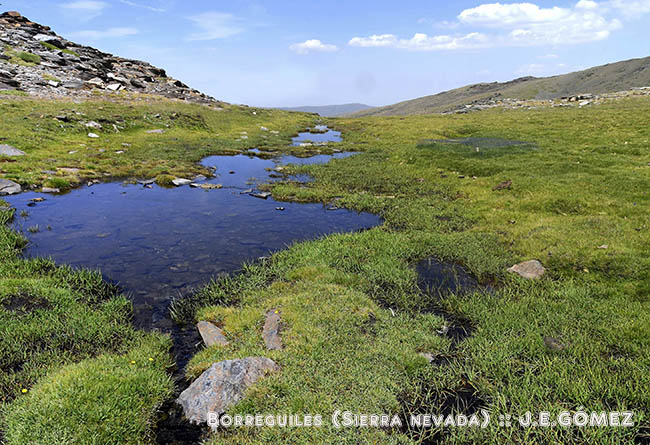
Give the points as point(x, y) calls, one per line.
point(211, 334)
point(8, 150)
point(530, 270)
point(271, 331)
point(261, 195)
point(8, 187)
point(222, 385)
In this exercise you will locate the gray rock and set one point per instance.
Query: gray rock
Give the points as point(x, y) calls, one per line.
point(211, 334)
point(530, 270)
point(8, 150)
point(181, 181)
point(114, 86)
point(155, 131)
point(93, 124)
point(50, 190)
point(261, 195)
point(222, 385)
point(271, 331)
point(8, 187)
point(93, 135)
point(69, 170)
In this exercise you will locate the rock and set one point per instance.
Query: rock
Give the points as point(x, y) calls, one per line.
point(8, 150)
point(530, 270)
point(261, 195)
point(93, 135)
point(503, 186)
point(73, 85)
point(603, 247)
point(554, 344)
point(37, 199)
point(428, 356)
point(222, 385)
point(155, 131)
point(271, 331)
point(69, 170)
point(114, 86)
point(206, 186)
point(200, 178)
point(53, 83)
point(178, 182)
point(62, 118)
point(146, 181)
point(280, 209)
point(8, 187)
point(211, 334)
point(246, 192)
point(50, 190)
point(264, 129)
point(93, 124)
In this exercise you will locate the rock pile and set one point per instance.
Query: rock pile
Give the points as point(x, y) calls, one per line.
point(36, 60)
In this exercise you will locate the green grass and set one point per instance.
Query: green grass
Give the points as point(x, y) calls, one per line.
point(22, 57)
point(57, 49)
point(53, 316)
point(583, 185)
point(354, 318)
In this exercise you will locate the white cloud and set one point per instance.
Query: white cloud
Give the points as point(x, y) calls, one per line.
point(214, 25)
point(84, 9)
point(517, 24)
point(497, 14)
point(423, 42)
point(104, 34)
point(138, 5)
point(631, 8)
point(313, 45)
point(549, 56)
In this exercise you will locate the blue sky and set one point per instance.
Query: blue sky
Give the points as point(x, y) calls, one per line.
point(284, 53)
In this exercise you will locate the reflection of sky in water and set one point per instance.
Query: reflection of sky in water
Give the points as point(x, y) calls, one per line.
point(328, 136)
point(158, 242)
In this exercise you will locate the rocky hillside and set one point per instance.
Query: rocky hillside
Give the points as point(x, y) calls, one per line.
point(599, 80)
point(37, 61)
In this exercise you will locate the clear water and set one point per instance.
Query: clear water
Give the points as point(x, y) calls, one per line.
point(318, 138)
point(159, 243)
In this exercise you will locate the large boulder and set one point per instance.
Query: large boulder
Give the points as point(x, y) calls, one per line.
point(8, 187)
point(530, 270)
point(222, 385)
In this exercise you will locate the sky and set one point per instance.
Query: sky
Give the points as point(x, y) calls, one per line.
point(299, 52)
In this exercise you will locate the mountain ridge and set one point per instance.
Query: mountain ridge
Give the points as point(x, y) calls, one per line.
point(36, 60)
point(329, 110)
point(608, 78)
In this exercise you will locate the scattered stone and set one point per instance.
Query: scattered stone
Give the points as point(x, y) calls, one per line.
point(281, 209)
point(271, 331)
point(554, 344)
point(93, 124)
point(146, 181)
point(158, 131)
point(93, 135)
point(604, 247)
point(430, 357)
point(178, 182)
point(62, 118)
point(68, 170)
point(206, 186)
point(114, 87)
point(211, 334)
point(261, 195)
point(264, 129)
point(8, 150)
point(530, 270)
point(222, 385)
point(8, 187)
point(200, 178)
point(246, 192)
point(503, 186)
point(50, 190)
point(37, 199)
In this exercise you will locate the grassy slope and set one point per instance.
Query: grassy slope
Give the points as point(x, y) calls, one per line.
point(584, 186)
point(66, 344)
point(608, 78)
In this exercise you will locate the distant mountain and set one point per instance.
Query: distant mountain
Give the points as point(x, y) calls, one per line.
point(601, 79)
point(35, 60)
point(330, 110)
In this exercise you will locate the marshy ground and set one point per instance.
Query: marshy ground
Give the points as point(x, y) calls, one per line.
point(355, 320)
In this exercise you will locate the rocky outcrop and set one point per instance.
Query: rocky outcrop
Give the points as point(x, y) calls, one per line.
point(222, 385)
point(36, 60)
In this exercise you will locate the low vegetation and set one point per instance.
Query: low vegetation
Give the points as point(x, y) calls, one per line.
point(354, 319)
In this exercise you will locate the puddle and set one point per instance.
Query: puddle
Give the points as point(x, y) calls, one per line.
point(437, 278)
point(320, 135)
point(160, 243)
